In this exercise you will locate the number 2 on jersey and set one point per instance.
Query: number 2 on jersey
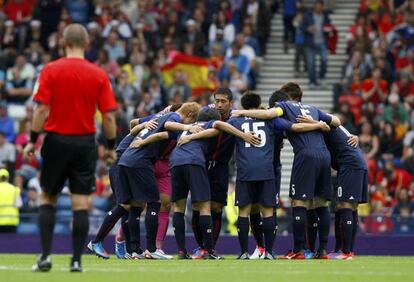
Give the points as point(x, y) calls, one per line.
point(259, 132)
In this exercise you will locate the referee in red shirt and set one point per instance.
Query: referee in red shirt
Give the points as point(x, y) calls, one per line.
point(68, 92)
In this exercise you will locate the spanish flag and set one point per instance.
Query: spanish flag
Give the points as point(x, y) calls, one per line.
point(196, 69)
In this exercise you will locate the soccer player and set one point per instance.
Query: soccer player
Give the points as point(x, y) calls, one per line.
point(310, 180)
point(138, 183)
point(222, 149)
point(120, 210)
point(351, 187)
point(68, 92)
point(255, 172)
point(190, 174)
point(163, 176)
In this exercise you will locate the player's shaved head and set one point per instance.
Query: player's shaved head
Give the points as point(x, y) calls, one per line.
point(250, 100)
point(293, 90)
point(75, 36)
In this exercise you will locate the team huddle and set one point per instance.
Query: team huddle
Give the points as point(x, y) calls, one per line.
point(185, 150)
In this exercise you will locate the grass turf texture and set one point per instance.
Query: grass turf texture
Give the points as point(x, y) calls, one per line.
point(377, 269)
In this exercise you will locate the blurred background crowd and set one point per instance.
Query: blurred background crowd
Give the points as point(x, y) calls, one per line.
point(140, 43)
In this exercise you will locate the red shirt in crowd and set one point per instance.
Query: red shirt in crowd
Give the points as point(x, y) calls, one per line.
point(368, 84)
point(402, 180)
point(403, 62)
point(73, 88)
point(15, 11)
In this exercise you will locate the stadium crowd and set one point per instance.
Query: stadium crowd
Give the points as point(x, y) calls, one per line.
point(133, 40)
point(375, 99)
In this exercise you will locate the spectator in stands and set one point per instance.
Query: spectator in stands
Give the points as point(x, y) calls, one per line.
point(195, 37)
point(158, 93)
point(370, 145)
point(20, 12)
point(394, 179)
point(264, 22)
point(80, 10)
point(127, 91)
point(375, 89)
point(403, 212)
point(179, 87)
point(10, 201)
point(316, 40)
point(390, 145)
point(110, 66)
point(395, 111)
point(222, 23)
point(6, 123)
point(379, 222)
point(31, 202)
point(289, 12)
point(300, 50)
point(239, 60)
point(18, 89)
point(7, 153)
point(250, 39)
point(114, 47)
point(357, 63)
point(408, 163)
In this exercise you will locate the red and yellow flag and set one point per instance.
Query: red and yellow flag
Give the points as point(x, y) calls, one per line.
point(195, 68)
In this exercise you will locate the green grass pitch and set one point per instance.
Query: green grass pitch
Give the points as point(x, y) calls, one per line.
point(375, 269)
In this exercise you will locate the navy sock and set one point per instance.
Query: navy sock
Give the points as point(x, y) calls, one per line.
point(269, 231)
point(125, 230)
point(151, 225)
point(338, 241)
point(109, 222)
point(46, 222)
point(179, 231)
point(206, 226)
point(243, 232)
point(134, 229)
point(276, 222)
point(323, 226)
point(347, 228)
point(257, 228)
point(195, 220)
point(299, 228)
point(217, 220)
point(311, 228)
point(80, 229)
point(355, 228)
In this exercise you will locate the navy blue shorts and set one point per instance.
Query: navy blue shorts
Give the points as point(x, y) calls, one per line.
point(311, 175)
point(190, 178)
point(114, 180)
point(262, 192)
point(218, 176)
point(352, 185)
point(138, 184)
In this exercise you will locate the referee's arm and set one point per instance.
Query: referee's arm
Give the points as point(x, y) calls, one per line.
point(40, 114)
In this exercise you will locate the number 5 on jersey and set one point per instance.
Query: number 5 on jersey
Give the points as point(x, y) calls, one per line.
point(259, 132)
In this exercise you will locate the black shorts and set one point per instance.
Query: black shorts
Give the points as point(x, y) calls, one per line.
point(138, 184)
point(190, 178)
point(262, 192)
point(352, 185)
point(311, 175)
point(114, 181)
point(68, 157)
point(218, 176)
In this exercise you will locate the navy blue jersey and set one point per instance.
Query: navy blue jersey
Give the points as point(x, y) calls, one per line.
point(194, 152)
point(222, 147)
point(148, 155)
point(343, 155)
point(255, 163)
point(123, 145)
point(305, 140)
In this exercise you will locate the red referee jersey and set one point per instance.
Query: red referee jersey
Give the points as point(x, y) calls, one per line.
point(73, 88)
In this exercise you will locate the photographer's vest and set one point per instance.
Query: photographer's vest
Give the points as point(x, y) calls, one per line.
point(9, 212)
